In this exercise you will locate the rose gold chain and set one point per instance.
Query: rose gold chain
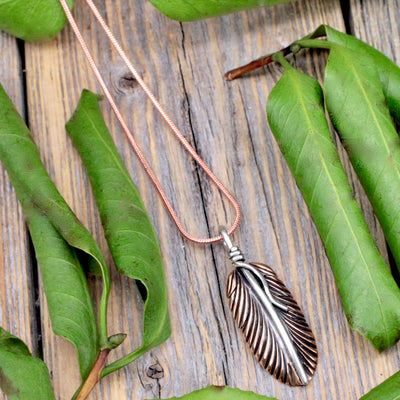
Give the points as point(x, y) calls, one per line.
point(164, 115)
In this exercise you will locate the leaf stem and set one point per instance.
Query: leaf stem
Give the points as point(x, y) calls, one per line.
point(105, 294)
point(308, 41)
point(280, 59)
point(313, 43)
point(94, 376)
point(123, 362)
point(103, 335)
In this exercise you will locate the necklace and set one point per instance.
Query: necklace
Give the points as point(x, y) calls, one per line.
point(263, 308)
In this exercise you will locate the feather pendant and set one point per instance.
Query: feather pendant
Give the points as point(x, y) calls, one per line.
point(272, 323)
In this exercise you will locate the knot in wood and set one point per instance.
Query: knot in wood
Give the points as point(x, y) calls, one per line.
point(155, 371)
point(127, 82)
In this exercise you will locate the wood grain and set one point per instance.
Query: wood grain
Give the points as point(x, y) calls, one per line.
point(183, 63)
point(17, 291)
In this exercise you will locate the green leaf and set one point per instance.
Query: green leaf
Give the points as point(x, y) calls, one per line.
point(222, 393)
point(65, 286)
point(22, 377)
point(388, 71)
point(128, 229)
point(32, 20)
point(356, 104)
point(55, 233)
point(190, 10)
point(387, 390)
point(369, 294)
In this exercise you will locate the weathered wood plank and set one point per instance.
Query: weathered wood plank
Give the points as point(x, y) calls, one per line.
point(184, 64)
point(17, 292)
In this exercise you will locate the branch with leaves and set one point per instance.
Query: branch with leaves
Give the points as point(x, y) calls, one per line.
point(361, 91)
point(66, 250)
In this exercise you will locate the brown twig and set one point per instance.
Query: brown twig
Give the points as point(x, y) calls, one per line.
point(260, 62)
point(244, 69)
point(94, 375)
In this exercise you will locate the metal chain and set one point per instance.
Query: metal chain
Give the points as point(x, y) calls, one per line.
point(163, 114)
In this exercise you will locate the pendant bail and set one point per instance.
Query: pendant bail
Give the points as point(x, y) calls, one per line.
point(235, 254)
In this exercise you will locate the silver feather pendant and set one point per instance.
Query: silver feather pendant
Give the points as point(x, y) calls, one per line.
point(271, 320)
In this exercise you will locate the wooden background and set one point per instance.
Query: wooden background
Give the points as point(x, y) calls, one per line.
point(184, 63)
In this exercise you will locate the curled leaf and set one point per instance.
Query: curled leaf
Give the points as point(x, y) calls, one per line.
point(65, 285)
point(56, 234)
point(356, 104)
point(22, 377)
point(369, 294)
point(388, 71)
point(128, 229)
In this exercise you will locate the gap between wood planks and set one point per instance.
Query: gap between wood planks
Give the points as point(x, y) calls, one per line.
point(37, 317)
